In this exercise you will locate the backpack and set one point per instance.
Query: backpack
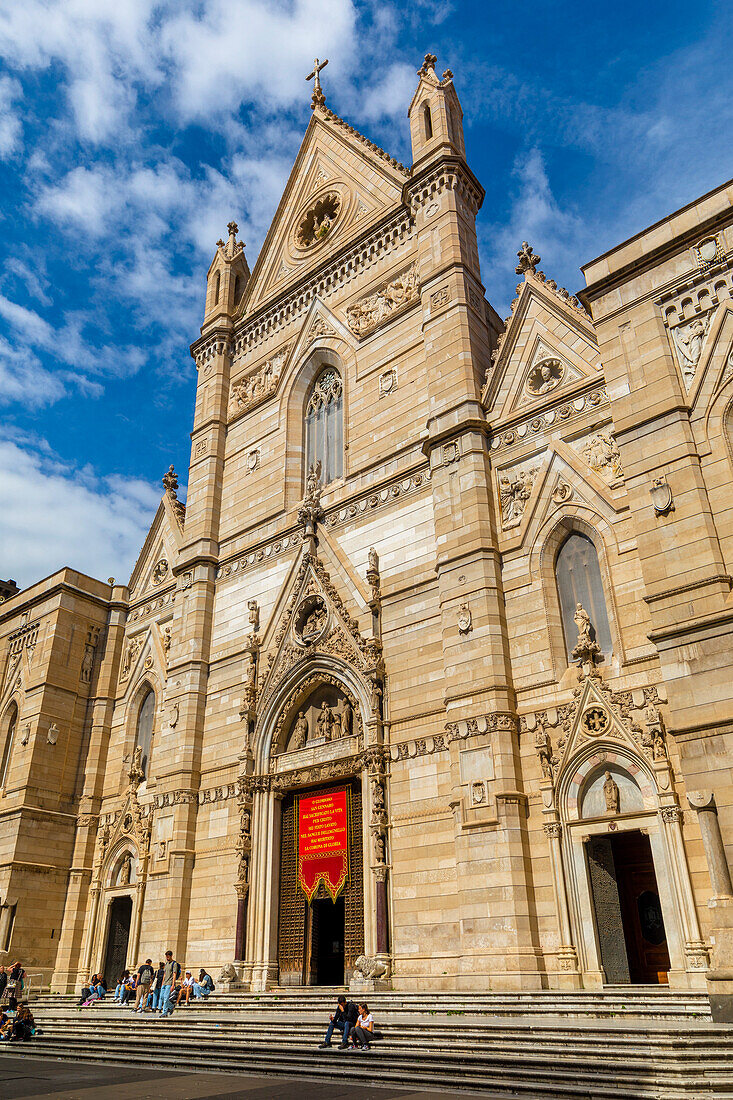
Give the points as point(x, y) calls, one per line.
point(177, 969)
point(212, 987)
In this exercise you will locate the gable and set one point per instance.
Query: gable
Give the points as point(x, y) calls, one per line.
point(339, 177)
point(154, 566)
point(548, 353)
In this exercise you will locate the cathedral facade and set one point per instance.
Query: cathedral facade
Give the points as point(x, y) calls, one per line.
point(429, 684)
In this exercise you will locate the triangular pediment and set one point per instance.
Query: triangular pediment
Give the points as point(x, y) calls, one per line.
point(541, 487)
point(313, 616)
point(715, 365)
point(543, 326)
point(339, 177)
point(154, 567)
point(594, 717)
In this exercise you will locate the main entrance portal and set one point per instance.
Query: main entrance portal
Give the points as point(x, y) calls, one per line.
point(319, 943)
point(118, 934)
point(629, 922)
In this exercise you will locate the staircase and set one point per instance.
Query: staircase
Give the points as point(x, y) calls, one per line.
point(620, 1044)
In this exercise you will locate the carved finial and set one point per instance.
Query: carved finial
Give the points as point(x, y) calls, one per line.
point(447, 75)
point(233, 229)
point(428, 65)
point(170, 481)
point(318, 98)
point(527, 260)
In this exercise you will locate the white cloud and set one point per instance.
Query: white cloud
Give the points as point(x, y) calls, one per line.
point(24, 380)
point(535, 216)
point(10, 126)
point(83, 199)
point(98, 524)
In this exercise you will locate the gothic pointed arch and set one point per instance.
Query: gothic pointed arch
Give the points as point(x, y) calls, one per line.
point(8, 734)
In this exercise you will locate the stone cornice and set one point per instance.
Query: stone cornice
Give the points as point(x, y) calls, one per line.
point(292, 537)
point(521, 429)
point(448, 174)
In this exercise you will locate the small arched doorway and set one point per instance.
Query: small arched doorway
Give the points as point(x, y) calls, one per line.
point(118, 936)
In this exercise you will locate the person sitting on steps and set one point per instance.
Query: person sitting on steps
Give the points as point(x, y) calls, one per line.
point(204, 986)
point(344, 1018)
point(362, 1031)
point(186, 989)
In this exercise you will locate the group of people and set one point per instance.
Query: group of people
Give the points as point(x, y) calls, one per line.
point(16, 1021)
point(152, 989)
point(356, 1024)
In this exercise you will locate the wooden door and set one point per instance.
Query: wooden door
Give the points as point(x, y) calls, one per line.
point(641, 911)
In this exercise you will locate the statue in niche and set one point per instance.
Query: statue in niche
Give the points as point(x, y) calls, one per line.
point(125, 871)
point(325, 721)
point(380, 848)
point(611, 794)
point(587, 649)
point(377, 795)
point(300, 732)
point(543, 746)
point(336, 727)
point(347, 717)
point(313, 623)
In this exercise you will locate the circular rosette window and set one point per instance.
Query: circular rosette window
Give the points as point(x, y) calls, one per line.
point(311, 620)
point(318, 221)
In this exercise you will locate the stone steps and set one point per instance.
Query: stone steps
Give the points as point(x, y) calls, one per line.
point(536, 1058)
point(509, 1075)
point(627, 1003)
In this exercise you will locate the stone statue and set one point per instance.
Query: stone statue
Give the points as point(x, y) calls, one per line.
point(347, 716)
point(380, 848)
point(300, 732)
point(544, 751)
point(377, 795)
point(367, 966)
point(336, 727)
point(587, 649)
point(228, 973)
point(373, 560)
point(325, 719)
point(611, 794)
point(136, 773)
point(87, 663)
point(123, 878)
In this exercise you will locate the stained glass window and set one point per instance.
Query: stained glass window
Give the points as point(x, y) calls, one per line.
point(324, 426)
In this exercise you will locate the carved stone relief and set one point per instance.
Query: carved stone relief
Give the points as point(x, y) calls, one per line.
point(515, 489)
point(366, 314)
point(544, 377)
point(602, 455)
point(250, 391)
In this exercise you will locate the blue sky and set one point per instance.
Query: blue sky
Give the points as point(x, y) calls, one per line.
point(132, 131)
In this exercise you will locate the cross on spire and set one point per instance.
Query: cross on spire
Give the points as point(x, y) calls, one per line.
point(318, 98)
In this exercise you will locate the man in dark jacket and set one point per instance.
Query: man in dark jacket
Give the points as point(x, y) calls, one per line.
point(343, 1018)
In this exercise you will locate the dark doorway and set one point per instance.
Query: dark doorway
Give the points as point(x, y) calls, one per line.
point(327, 942)
point(628, 913)
point(118, 934)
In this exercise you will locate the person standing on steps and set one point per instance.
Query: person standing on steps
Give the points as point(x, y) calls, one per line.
point(171, 972)
point(343, 1019)
point(145, 975)
point(154, 995)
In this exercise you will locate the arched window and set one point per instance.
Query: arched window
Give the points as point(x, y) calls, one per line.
point(217, 288)
point(579, 581)
point(145, 728)
point(324, 426)
point(10, 725)
point(237, 288)
point(428, 121)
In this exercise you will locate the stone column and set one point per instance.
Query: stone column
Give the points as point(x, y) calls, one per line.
point(240, 933)
point(91, 932)
point(720, 975)
point(380, 875)
point(568, 977)
point(696, 956)
point(712, 841)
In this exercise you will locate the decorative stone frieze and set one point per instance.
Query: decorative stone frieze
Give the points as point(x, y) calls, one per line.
point(548, 418)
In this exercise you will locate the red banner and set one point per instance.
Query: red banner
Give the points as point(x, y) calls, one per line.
point(323, 842)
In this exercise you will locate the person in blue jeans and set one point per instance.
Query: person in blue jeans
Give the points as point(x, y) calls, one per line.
point(204, 985)
point(343, 1019)
point(171, 971)
point(154, 994)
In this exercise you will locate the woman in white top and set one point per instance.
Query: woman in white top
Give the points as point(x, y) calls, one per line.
point(186, 989)
point(362, 1030)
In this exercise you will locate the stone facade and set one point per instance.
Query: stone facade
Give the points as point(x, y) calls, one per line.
point(493, 734)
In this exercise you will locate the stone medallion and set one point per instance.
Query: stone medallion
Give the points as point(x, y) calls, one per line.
point(311, 620)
